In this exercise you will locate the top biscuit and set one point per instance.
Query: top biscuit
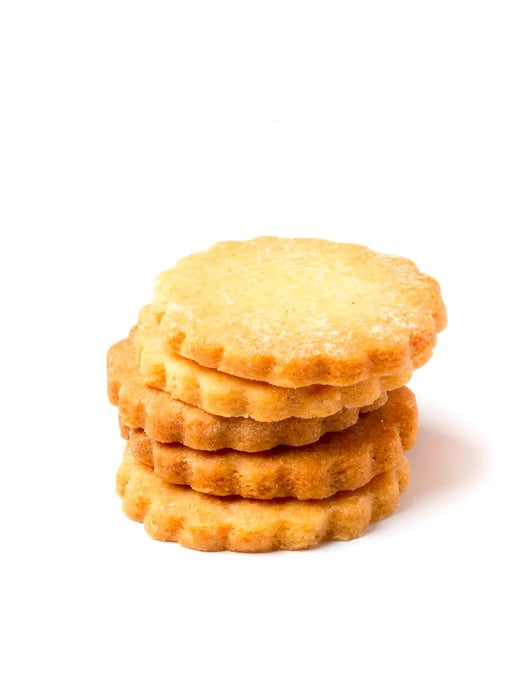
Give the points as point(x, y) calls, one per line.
point(294, 312)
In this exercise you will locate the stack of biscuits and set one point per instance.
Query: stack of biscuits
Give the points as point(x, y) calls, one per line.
point(262, 393)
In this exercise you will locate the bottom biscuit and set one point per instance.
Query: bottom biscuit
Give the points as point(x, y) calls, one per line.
point(212, 523)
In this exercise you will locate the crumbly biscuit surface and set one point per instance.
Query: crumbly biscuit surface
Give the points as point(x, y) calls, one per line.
point(296, 312)
point(210, 523)
point(226, 395)
point(339, 461)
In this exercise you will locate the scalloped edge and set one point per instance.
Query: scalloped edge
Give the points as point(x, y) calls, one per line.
point(189, 340)
point(344, 460)
point(225, 395)
point(166, 419)
point(210, 523)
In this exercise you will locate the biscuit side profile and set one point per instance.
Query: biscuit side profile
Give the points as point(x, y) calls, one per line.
point(210, 523)
point(166, 419)
point(225, 395)
point(344, 460)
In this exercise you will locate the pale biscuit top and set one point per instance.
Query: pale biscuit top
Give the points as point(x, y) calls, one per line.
point(294, 312)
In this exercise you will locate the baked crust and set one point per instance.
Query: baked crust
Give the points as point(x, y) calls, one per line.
point(225, 395)
point(211, 523)
point(297, 311)
point(344, 460)
point(166, 419)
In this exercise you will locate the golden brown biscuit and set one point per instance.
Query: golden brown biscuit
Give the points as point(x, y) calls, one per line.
point(296, 312)
point(339, 461)
point(210, 523)
point(225, 395)
point(167, 420)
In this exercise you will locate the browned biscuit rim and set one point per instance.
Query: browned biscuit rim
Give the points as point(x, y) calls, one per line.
point(166, 419)
point(225, 395)
point(347, 312)
point(210, 523)
point(344, 460)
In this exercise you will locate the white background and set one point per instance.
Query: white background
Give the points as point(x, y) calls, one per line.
point(134, 133)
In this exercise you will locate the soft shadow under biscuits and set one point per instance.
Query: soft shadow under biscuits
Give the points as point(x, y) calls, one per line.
point(444, 459)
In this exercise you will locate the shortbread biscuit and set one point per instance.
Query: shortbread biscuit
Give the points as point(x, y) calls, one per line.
point(210, 523)
point(295, 312)
point(339, 461)
point(166, 419)
point(225, 395)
